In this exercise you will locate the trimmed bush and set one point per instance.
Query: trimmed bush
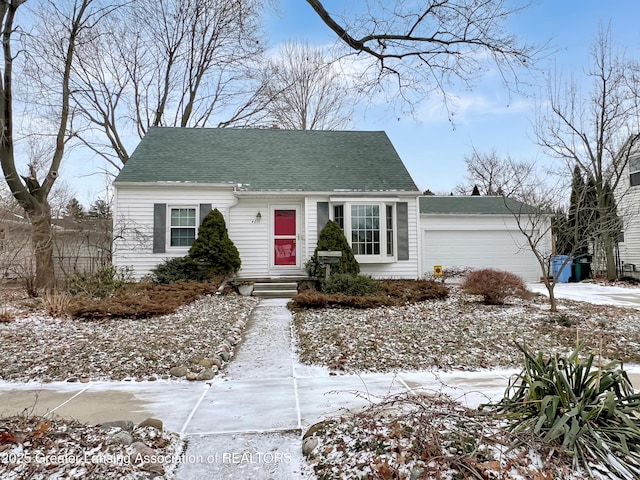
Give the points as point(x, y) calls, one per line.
point(351, 285)
point(141, 300)
point(332, 238)
point(180, 269)
point(494, 286)
point(389, 293)
point(213, 248)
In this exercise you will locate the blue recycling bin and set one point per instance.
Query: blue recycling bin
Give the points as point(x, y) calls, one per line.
point(561, 273)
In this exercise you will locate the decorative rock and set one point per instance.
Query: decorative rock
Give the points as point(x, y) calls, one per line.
point(206, 362)
point(224, 356)
point(72, 379)
point(155, 469)
point(152, 422)
point(308, 445)
point(224, 347)
point(207, 374)
point(120, 438)
point(152, 379)
point(216, 361)
point(316, 427)
point(231, 340)
point(196, 359)
point(140, 450)
point(191, 376)
point(126, 425)
point(85, 380)
point(179, 371)
point(226, 342)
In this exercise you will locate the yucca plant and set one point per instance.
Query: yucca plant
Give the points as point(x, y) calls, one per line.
point(589, 412)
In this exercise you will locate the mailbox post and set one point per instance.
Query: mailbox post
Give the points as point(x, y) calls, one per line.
point(326, 258)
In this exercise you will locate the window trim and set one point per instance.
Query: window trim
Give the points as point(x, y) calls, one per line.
point(170, 227)
point(384, 256)
point(634, 171)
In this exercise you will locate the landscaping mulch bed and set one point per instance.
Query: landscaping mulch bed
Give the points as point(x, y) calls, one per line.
point(38, 347)
point(47, 448)
point(460, 333)
point(427, 437)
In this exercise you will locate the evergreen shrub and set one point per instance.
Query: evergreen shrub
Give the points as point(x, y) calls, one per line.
point(332, 238)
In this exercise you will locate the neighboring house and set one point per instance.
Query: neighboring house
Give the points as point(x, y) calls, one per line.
point(481, 232)
point(81, 245)
point(628, 201)
point(16, 249)
point(276, 190)
point(78, 246)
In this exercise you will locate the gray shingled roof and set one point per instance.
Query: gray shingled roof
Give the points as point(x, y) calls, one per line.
point(473, 205)
point(269, 159)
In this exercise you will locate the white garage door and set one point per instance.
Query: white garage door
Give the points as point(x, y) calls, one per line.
point(502, 250)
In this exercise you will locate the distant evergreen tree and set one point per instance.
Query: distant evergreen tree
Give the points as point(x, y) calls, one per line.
point(476, 191)
point(74, 209)
point(428, 192)
point(100, 209)
point(332, 238)
point(214, 248)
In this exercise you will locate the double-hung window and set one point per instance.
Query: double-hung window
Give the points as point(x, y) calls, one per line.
point(634, 171)
point(182, 226)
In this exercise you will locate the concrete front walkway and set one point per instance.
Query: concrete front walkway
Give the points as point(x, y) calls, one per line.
point(247, 423)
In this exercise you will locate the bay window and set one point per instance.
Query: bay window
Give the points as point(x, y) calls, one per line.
point(370, 229)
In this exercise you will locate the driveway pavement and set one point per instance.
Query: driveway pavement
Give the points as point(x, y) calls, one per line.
point(594, 293)
point(248, 423)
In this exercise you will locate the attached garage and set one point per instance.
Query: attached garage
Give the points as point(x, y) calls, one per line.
point(474, 232)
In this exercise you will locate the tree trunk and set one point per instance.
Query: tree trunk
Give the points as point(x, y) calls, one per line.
point(610, 257)
point(42, 236)
point(553, 303)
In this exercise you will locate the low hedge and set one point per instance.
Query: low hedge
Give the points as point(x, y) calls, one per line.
point(390, 293)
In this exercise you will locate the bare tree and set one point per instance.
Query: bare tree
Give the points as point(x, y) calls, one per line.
point(427, 45)
point(169, 63)
point(46, 59)
point(306, 91)
point(496, 175)
point(597, 132)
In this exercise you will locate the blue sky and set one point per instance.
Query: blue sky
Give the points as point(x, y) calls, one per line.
point(491, 119)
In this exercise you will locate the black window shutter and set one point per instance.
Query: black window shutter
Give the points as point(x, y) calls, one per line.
point(323, 215)
point(205, 208)
point(159, 227)
point(402, 209)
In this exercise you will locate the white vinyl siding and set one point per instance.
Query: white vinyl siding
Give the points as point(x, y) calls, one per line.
point(628, 200)
point(134, 220)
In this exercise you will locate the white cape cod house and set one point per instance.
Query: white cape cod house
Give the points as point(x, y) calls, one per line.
point(276, 189)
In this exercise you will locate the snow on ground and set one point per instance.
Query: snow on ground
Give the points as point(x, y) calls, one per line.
point(400, 343)
point(622, 296)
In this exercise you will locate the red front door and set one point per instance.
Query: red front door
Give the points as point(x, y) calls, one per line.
point(284, 237)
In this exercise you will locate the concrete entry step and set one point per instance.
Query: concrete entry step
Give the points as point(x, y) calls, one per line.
point(275, 289)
